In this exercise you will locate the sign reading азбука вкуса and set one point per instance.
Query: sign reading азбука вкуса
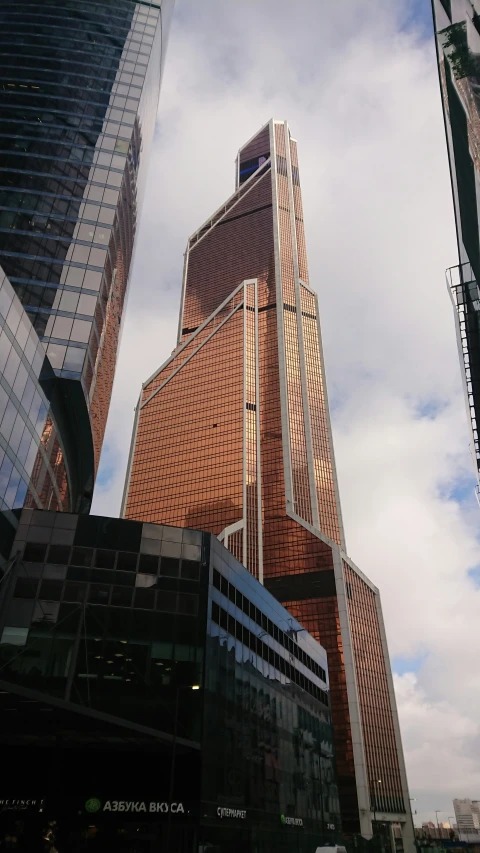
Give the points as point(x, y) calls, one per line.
point(94, 805)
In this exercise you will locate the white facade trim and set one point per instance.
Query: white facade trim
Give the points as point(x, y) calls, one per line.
point(194, 352)
point(307, 287)
point(311, 529)
point(182, 295)
point(282, 369)
point(259, 544)
point(257, 436)
point(361, 775)
point(244, 426)
point(329, 430)
point(237, 161)
point(254, 136)
point(131, 453)
point(408, 832)
point(301, 344)
point(230, 530)
point(358, 572)
point(192, 336)
point(226, 206)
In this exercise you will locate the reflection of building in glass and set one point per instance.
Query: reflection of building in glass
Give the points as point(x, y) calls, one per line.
point(233, 436)
point(457, 26)
point(32, 465)
point(107, 625)
point(78, 104)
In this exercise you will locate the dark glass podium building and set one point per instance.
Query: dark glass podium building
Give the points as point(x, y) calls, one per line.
point(194, 708)
point(78, 103)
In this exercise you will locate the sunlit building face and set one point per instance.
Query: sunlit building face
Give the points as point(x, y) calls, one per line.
point(233, 436)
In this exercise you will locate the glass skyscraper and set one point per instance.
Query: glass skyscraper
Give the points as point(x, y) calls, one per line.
point(457, 28)
point(78, 102)
point(232, 435)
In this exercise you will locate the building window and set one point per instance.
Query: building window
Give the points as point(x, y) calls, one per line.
point(25, 588)
point(59, 554)
point(82, 557)
point(190, 570)
point(258, 647)
point(248, 167)
point(35, 553)
point(14, 636)
point(148, 564)
point(127, 562)
point(105, 559)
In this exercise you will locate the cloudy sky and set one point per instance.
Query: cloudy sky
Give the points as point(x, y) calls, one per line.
point(356, 80)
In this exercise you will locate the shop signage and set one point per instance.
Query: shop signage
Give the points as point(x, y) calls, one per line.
point(93, 805)
point(236, 813)
point(12, 805)
point(291, 821)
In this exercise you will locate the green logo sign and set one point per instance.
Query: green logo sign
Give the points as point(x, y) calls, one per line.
point(282, 818)
point(93, 805)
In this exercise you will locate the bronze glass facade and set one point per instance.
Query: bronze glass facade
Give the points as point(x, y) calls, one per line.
point(457, 37)
point(78, 103)
point(232, 435)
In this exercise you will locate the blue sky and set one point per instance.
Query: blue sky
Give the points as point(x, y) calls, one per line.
point(413, 664)
point(474, 574)
point(419, 18)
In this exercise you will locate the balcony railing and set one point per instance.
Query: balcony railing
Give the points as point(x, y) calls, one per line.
point(465, 294)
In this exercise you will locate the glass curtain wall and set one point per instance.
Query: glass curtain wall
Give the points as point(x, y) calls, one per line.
point(78, 103)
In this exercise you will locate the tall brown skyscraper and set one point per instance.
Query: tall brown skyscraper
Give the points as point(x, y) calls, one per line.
point(233, 436)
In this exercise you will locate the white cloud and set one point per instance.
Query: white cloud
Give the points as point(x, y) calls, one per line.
point(360, 92)
point(444, 764)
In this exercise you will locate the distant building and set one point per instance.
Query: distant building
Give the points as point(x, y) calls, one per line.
point(467, 813)
point(429, 831)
